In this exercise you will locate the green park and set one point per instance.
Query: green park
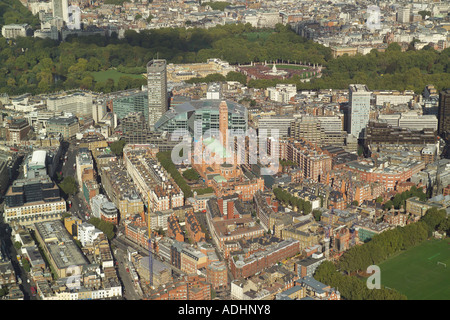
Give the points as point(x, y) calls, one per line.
point(421, 272)
point(103, 76)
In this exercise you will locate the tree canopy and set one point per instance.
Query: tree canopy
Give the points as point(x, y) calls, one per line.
point(106, 227)
point(68, 185)
point(288, 199)
point(352, 288)
point(14, 12)
point(37, 65)
point(117, 147)
point(166, 161)
point(191, 174)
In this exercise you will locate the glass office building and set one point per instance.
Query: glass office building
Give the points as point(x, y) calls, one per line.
point(197, 117)
point(136, 102)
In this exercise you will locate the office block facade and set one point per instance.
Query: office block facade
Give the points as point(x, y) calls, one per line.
point(359, 109)
point(157, 90)
point(444, 112)
point(135, 102)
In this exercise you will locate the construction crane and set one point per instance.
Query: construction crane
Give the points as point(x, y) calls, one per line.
point(150, 257)
point(327, 241)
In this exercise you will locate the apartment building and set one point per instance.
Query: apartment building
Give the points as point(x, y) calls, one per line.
point(192, 260)
point(193, 228)
point(78, 103)
point(385, 173)
point(155, 186)
point(67, 126)
point(217, 275)
point(17, 130)
point(28, 201)
point(157, 90)
point(84, 164)
point(189, 288)
point(174, 229)
point(242, 267)
point(313, 162)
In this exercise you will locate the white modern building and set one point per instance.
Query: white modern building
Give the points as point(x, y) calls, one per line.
point(214, 91)
point(36, 166)
point(403, 15)
point(393, 98)
point(282, 92)
point(359, 109)
point(98, 111)
point(78, 103)
point(74, 18)
point(12, 31)
point(87, 233)
point(96, 205)
point(280, 123)
point(410, 120)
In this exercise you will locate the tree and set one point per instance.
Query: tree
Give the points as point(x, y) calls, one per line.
point(191, 174)
point(434, 217)
point(165, 159)
point(317, 214)
point(117, 147)
point(106, 227)
point(236, 76)
point(307, 207)
point(360, 150)
point(26, 265)
point(424, 14)
point(69, 185)
point(388, 205)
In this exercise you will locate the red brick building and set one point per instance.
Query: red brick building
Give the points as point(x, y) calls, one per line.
point(313, 162)
point(242, 267)
point(136, 229)
point(193, 228)
point(190, 288)
point(174, 229)
point(217, 275)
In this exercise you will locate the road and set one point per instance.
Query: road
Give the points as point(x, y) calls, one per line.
point(129, 292)
point(79, 206)
point(10, 251)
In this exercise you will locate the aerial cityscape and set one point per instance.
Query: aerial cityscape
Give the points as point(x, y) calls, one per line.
point(229, 150)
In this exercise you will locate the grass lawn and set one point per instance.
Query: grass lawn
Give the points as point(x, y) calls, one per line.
point(254, 36)
point(416, 272)
point(102, 76)
point(288, 66)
